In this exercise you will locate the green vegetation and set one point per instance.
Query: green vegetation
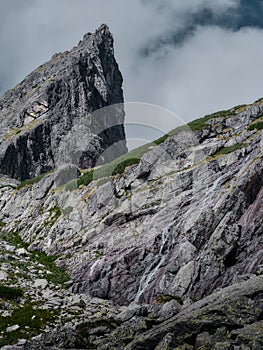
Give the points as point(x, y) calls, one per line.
point(86, 178)
point(14, 239)
point(83, 328)
point(29, 318)
point(173, 132)
point(230, 149)
point(199, 124)
point(161, 139)
point(120, 168)
point(56, 212)
point(256, 126)
point(30, 182)
point(118, 165)
point(2, 224)
point(259, 100)
point(10, 293)
point(23, 129)
point(103, 173)
point(58, 274)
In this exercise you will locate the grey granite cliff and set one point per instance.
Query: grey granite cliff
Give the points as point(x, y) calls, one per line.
point(47, 119)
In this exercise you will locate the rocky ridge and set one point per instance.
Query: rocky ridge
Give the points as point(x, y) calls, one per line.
point(48, 119)
point(160, 252)
point(175, 240)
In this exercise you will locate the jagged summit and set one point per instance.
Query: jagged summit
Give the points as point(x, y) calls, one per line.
point(55, 100)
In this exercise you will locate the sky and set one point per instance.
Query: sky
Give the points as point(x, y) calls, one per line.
point(191, 57)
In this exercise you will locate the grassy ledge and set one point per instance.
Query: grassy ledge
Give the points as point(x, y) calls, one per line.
point(117, 167)
point(199, 124)
point(33, 181)
point(230, 149)
point(256, 126)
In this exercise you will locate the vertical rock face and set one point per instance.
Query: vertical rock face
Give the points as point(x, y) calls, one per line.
point(49, 118)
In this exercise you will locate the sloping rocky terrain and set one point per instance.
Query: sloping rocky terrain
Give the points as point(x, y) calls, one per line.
point(160, 249)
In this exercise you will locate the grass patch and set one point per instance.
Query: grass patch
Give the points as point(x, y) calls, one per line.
point(85, 179)
point(118, 165)
point(56, 212)
point(199, 124)
point(230, 149)
point(161, 139)
point(14, 239)
point(259, 100)
point(30, 320)
point(23, 129)
point(256, 126)
point(31, 182)
point(120, 168)
point(10, 293)
point(58, 275)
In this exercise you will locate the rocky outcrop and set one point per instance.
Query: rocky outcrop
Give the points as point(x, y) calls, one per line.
point(34, 297)
point(184, 221)
point(49, 119)
point(173, 242)
point(228, 319)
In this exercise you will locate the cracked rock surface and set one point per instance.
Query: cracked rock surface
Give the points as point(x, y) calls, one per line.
point(49, 118)
point(174, 242)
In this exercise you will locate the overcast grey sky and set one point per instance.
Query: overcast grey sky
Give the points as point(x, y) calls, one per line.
point(192, 57)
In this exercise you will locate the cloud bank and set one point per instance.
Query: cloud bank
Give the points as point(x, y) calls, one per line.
point(192, 57)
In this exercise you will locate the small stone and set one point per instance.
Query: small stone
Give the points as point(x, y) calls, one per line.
point(21, 341)
point(21, 252)
point(10, 248)
point(12, 328)
point(41, 283)
point(6, 314)
point(3, 276)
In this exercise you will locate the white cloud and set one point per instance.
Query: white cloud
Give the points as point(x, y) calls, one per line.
point(213, 69)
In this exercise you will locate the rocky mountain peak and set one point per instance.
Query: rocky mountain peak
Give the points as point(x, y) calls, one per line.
point(162, 248)
point(55, 103)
